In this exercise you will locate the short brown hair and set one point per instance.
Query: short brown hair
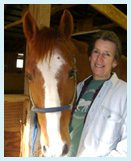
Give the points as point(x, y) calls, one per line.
point(110, 36)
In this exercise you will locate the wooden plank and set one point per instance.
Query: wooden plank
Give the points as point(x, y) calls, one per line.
point(11, 144)
point(13, 114)
point(55, 8)
point(15, 23)
point(94, 29)
point(14, 111)
point(15, 98)
point(112, 13)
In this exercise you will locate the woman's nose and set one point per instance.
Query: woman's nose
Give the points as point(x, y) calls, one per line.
point(100, 57)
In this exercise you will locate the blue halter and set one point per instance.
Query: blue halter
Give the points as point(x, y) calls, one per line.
point(51, 109)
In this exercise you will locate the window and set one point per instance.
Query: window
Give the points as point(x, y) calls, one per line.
point(20, 60)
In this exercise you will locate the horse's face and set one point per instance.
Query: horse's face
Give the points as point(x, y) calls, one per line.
point(50, 71)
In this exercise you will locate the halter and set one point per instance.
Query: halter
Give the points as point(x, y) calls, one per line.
point(51, 109)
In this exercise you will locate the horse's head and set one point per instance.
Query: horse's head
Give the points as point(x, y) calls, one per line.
point(50, 70)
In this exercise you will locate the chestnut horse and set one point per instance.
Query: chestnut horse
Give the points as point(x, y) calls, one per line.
point(51, 73)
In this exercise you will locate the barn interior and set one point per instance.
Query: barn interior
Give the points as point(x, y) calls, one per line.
point(88, 19)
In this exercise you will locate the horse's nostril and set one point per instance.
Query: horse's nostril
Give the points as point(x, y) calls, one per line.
point(44, 148)
point(65, 149)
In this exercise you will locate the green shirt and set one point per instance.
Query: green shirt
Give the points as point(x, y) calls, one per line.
point(79, 114)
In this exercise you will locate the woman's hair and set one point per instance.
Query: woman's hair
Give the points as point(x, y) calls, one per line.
point(110, 36)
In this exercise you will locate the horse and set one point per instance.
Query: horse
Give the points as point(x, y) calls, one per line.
point(51, 72)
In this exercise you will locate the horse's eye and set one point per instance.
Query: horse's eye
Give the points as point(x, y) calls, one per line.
point(72, 73)
point(29, 76)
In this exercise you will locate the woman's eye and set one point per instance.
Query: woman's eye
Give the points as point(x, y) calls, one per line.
point(95, 51)
point(72, 73)
point(29, 76)
point(106, 54)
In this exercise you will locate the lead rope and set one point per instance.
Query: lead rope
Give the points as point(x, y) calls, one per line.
point(34, 134)
point(35, 129)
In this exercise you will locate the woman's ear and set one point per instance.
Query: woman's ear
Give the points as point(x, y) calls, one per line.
point(89, 58)
point(115, 63)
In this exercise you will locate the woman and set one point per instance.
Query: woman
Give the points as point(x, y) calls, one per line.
point(98, 124)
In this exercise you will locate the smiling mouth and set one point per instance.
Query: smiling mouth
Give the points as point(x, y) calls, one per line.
point(99, 66)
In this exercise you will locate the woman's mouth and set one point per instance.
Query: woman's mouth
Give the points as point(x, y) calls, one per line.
point(99, 65)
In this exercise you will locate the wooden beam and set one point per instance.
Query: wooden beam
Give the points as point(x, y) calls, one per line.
point(15, 98)
point(56, 8)
point(94, 29)
point(112, 13)
point(15, 23)
point(85, 32)
point(18, 22)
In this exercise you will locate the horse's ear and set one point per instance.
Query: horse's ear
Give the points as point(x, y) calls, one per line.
point(29, 26)
point(66, 24)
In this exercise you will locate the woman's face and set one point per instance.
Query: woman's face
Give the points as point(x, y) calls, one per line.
point(102, 59)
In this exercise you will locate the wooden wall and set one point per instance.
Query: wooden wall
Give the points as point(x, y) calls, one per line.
point(14, 117)
point(10, 62)
point(121, 69)
point(13, 77)
point(14, 83)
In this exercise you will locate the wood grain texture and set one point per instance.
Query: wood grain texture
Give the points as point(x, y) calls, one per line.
point(11, 144)
point(15, 108)
point(112, 13)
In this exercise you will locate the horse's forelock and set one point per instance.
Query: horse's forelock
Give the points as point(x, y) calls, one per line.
point(44, 43)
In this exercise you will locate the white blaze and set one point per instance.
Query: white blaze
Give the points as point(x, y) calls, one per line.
point(49, 69)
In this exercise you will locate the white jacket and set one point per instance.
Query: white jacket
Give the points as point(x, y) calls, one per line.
point(105, 130)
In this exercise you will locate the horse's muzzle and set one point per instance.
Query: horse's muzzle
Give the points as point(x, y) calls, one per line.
point(64, 151)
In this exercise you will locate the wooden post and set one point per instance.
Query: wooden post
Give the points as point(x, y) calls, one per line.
point(41, 13)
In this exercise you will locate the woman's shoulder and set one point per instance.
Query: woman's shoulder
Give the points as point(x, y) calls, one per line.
point(118, 81)
point(118, 84)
